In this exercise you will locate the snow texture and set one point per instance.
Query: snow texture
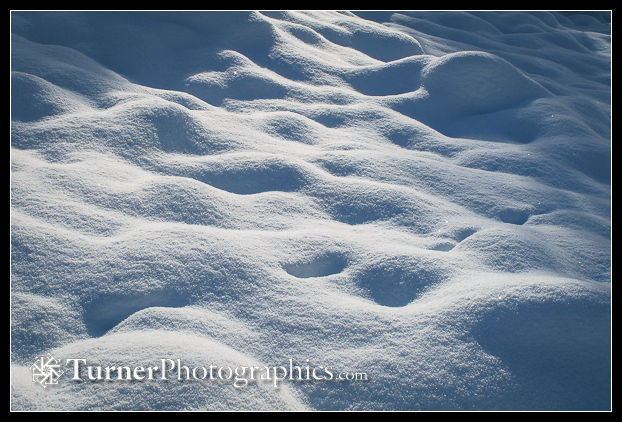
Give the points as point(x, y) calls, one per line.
point(422, 196)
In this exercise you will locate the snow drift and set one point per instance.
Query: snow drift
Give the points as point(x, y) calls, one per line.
point(421, 196)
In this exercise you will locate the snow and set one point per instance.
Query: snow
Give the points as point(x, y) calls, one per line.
point(421, 196)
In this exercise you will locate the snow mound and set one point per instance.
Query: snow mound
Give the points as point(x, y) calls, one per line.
point(146, 348)
point(421, 196)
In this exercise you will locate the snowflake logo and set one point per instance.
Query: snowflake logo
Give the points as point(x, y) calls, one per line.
point(46, 371)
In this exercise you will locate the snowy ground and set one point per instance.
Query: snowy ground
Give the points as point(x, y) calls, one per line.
point(424, 197)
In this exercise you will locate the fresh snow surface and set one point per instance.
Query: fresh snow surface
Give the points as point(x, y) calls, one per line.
point(424, 197)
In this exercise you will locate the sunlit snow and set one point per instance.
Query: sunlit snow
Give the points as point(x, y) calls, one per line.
point(421, 196)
